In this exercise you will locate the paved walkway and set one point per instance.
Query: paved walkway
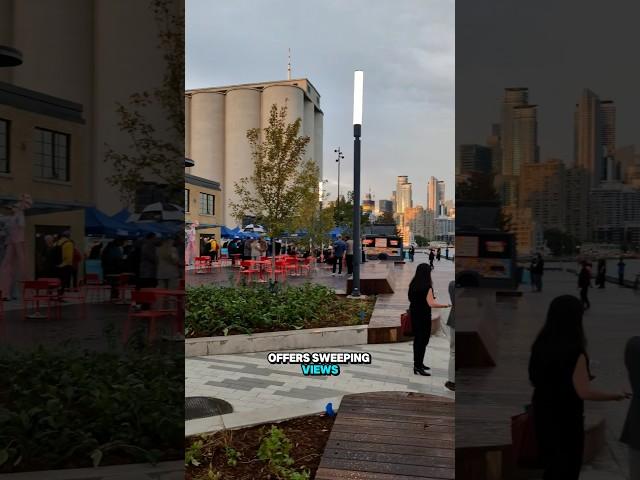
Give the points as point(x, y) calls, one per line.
point(608, 326)
point(260, 392)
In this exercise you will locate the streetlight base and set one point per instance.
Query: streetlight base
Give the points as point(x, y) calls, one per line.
point(357, 296)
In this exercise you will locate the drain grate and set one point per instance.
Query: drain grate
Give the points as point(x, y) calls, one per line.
point(201, 407)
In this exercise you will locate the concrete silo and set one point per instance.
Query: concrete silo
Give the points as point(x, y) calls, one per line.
point(207, 118)
point(281, 95)
point(317, 144)
point(242, 107)
point(308, 124)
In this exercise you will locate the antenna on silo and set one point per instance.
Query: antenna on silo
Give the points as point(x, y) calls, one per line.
point(289, 67)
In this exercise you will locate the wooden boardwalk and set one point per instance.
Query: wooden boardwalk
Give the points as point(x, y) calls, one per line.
point(391, 436)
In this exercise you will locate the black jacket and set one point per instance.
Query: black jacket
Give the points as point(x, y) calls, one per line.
point(631, 429)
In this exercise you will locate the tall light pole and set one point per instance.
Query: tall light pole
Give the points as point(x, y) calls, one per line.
point(358, 85)
point(340, 157)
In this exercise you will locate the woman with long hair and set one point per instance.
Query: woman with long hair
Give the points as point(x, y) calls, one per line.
point(421, 301)
point(631, 430)
point(560, 374)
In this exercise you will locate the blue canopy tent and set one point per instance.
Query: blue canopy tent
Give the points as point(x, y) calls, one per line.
point(121, 216)
point(143, 228)
point(335, 232)
point(98, 223)
point(227, 232)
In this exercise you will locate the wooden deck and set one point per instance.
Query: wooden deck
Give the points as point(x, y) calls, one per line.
point(391, 436)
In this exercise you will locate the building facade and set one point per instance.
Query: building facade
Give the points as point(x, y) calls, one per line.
point(217, 120)
point(203, 206)
point(42, 154)
point(473, 158)
point(542, 189)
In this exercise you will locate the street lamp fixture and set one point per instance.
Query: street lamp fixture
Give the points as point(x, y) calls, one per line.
point(340, 157)
point(358, 93)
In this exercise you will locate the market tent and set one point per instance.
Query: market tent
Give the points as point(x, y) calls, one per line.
point(336, 231)
point(98, 223)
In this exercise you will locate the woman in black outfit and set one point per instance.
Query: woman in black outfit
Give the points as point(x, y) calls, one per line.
point(421, 300)
point(559, 372)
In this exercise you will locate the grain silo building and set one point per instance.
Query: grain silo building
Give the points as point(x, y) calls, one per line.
point(217, 120)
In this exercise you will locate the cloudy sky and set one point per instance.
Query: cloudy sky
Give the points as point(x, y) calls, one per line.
point(405, 47)
point(556, 49)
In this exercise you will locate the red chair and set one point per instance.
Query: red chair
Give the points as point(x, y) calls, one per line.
point(203, 264)
point(291, 266)
point(306, 265)
point(36, 292)
point(137, 311)
point(247, 270)
point(94, 288)
point(124, 287)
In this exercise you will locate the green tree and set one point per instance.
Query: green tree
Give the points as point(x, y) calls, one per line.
point(156, 151)
point(560, 242)
point(421, 241)
point(479, 187)
point(281, 181)
point(385, 218)
point(316, 221)
point(343, 213)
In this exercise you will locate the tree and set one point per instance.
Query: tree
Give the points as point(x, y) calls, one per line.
point(560, 242)
point(316, 221)
point(479, 187)
point(156, 151)
point(343, 214)
point(282, 181)
point(421, 241)
point(385, 218)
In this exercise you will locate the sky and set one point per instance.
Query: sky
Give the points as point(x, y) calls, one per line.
point(556, 48)
point(406, 49)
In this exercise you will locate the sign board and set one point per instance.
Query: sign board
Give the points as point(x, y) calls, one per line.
point(467, 246)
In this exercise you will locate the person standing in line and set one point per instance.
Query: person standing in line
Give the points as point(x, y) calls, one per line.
point(438, 254)
point(451, 323)
point(631, 429)
point(560, 375)
point(339, 247)
point(168, 265)
point(621, 266)
point(432, 256)
point(246, 249)
point(349, 255)
point(65, 261)
point(584, 283)
point(148, 262)
point(256, 252)
point(421, 301)
point(214, 248)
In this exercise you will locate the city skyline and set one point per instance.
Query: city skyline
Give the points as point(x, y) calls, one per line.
point(408, 124)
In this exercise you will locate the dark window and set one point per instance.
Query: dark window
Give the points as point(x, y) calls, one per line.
point(186, 199)
point(207, 204)
point(4, 146)
point(51, 155)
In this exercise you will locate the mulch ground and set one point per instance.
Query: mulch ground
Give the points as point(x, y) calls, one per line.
point(307, 434)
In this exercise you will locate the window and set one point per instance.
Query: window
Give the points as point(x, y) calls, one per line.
point(51, 155)
point(207, 204)
point(4, 146)
point(186, 199)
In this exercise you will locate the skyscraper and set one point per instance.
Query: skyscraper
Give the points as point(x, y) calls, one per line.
point(493, 143)
point(594, 134)
point(403, 194)
point(513, 97)
point(542, 189)
point(524, 145)
point(435, 195)
point(473, 159)
point(385, 206)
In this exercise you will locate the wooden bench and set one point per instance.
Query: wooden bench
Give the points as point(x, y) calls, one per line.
point(391, 436)
point(476, 329)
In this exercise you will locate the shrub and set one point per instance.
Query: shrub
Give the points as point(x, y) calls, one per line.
point(215, 310)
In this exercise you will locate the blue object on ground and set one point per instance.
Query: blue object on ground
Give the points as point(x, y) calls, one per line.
point(329, 410)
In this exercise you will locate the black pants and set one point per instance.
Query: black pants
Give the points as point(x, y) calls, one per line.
point(337, 263)
point(621, 278)
point(584, 296)
point(64, 274)
point(421, 325)
point(214, 256)
point(349, 259)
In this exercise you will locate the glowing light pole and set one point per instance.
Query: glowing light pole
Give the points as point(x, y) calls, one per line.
point(358, 87)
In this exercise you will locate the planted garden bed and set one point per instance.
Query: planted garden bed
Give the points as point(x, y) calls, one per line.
point(289, 450)
point(66, 408)
point(215, 311)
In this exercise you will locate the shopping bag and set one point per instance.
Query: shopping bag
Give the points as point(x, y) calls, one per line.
point(405, 324)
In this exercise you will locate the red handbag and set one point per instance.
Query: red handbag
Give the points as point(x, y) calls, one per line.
point(524, 441)
point(405, 324)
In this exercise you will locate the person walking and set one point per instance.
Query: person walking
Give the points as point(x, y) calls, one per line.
point(602, 273)
point(451, 323)
point(446, 253)
point(421, 301)
point(631, 429)
point(438, 254)
point(339, 248)
point(432, 256)
point(621, 266)
point(539, 272)
point(584, 283)
point(349, 255)
point(560, 375)
point(412, 252)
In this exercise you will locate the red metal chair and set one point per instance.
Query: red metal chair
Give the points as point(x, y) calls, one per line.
point(36, 292)
point(94, 288)
point(203, 264)
point(247, 270)
point(305, 267)
point(124, 287)
point(291, 266)
point(142, 308)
